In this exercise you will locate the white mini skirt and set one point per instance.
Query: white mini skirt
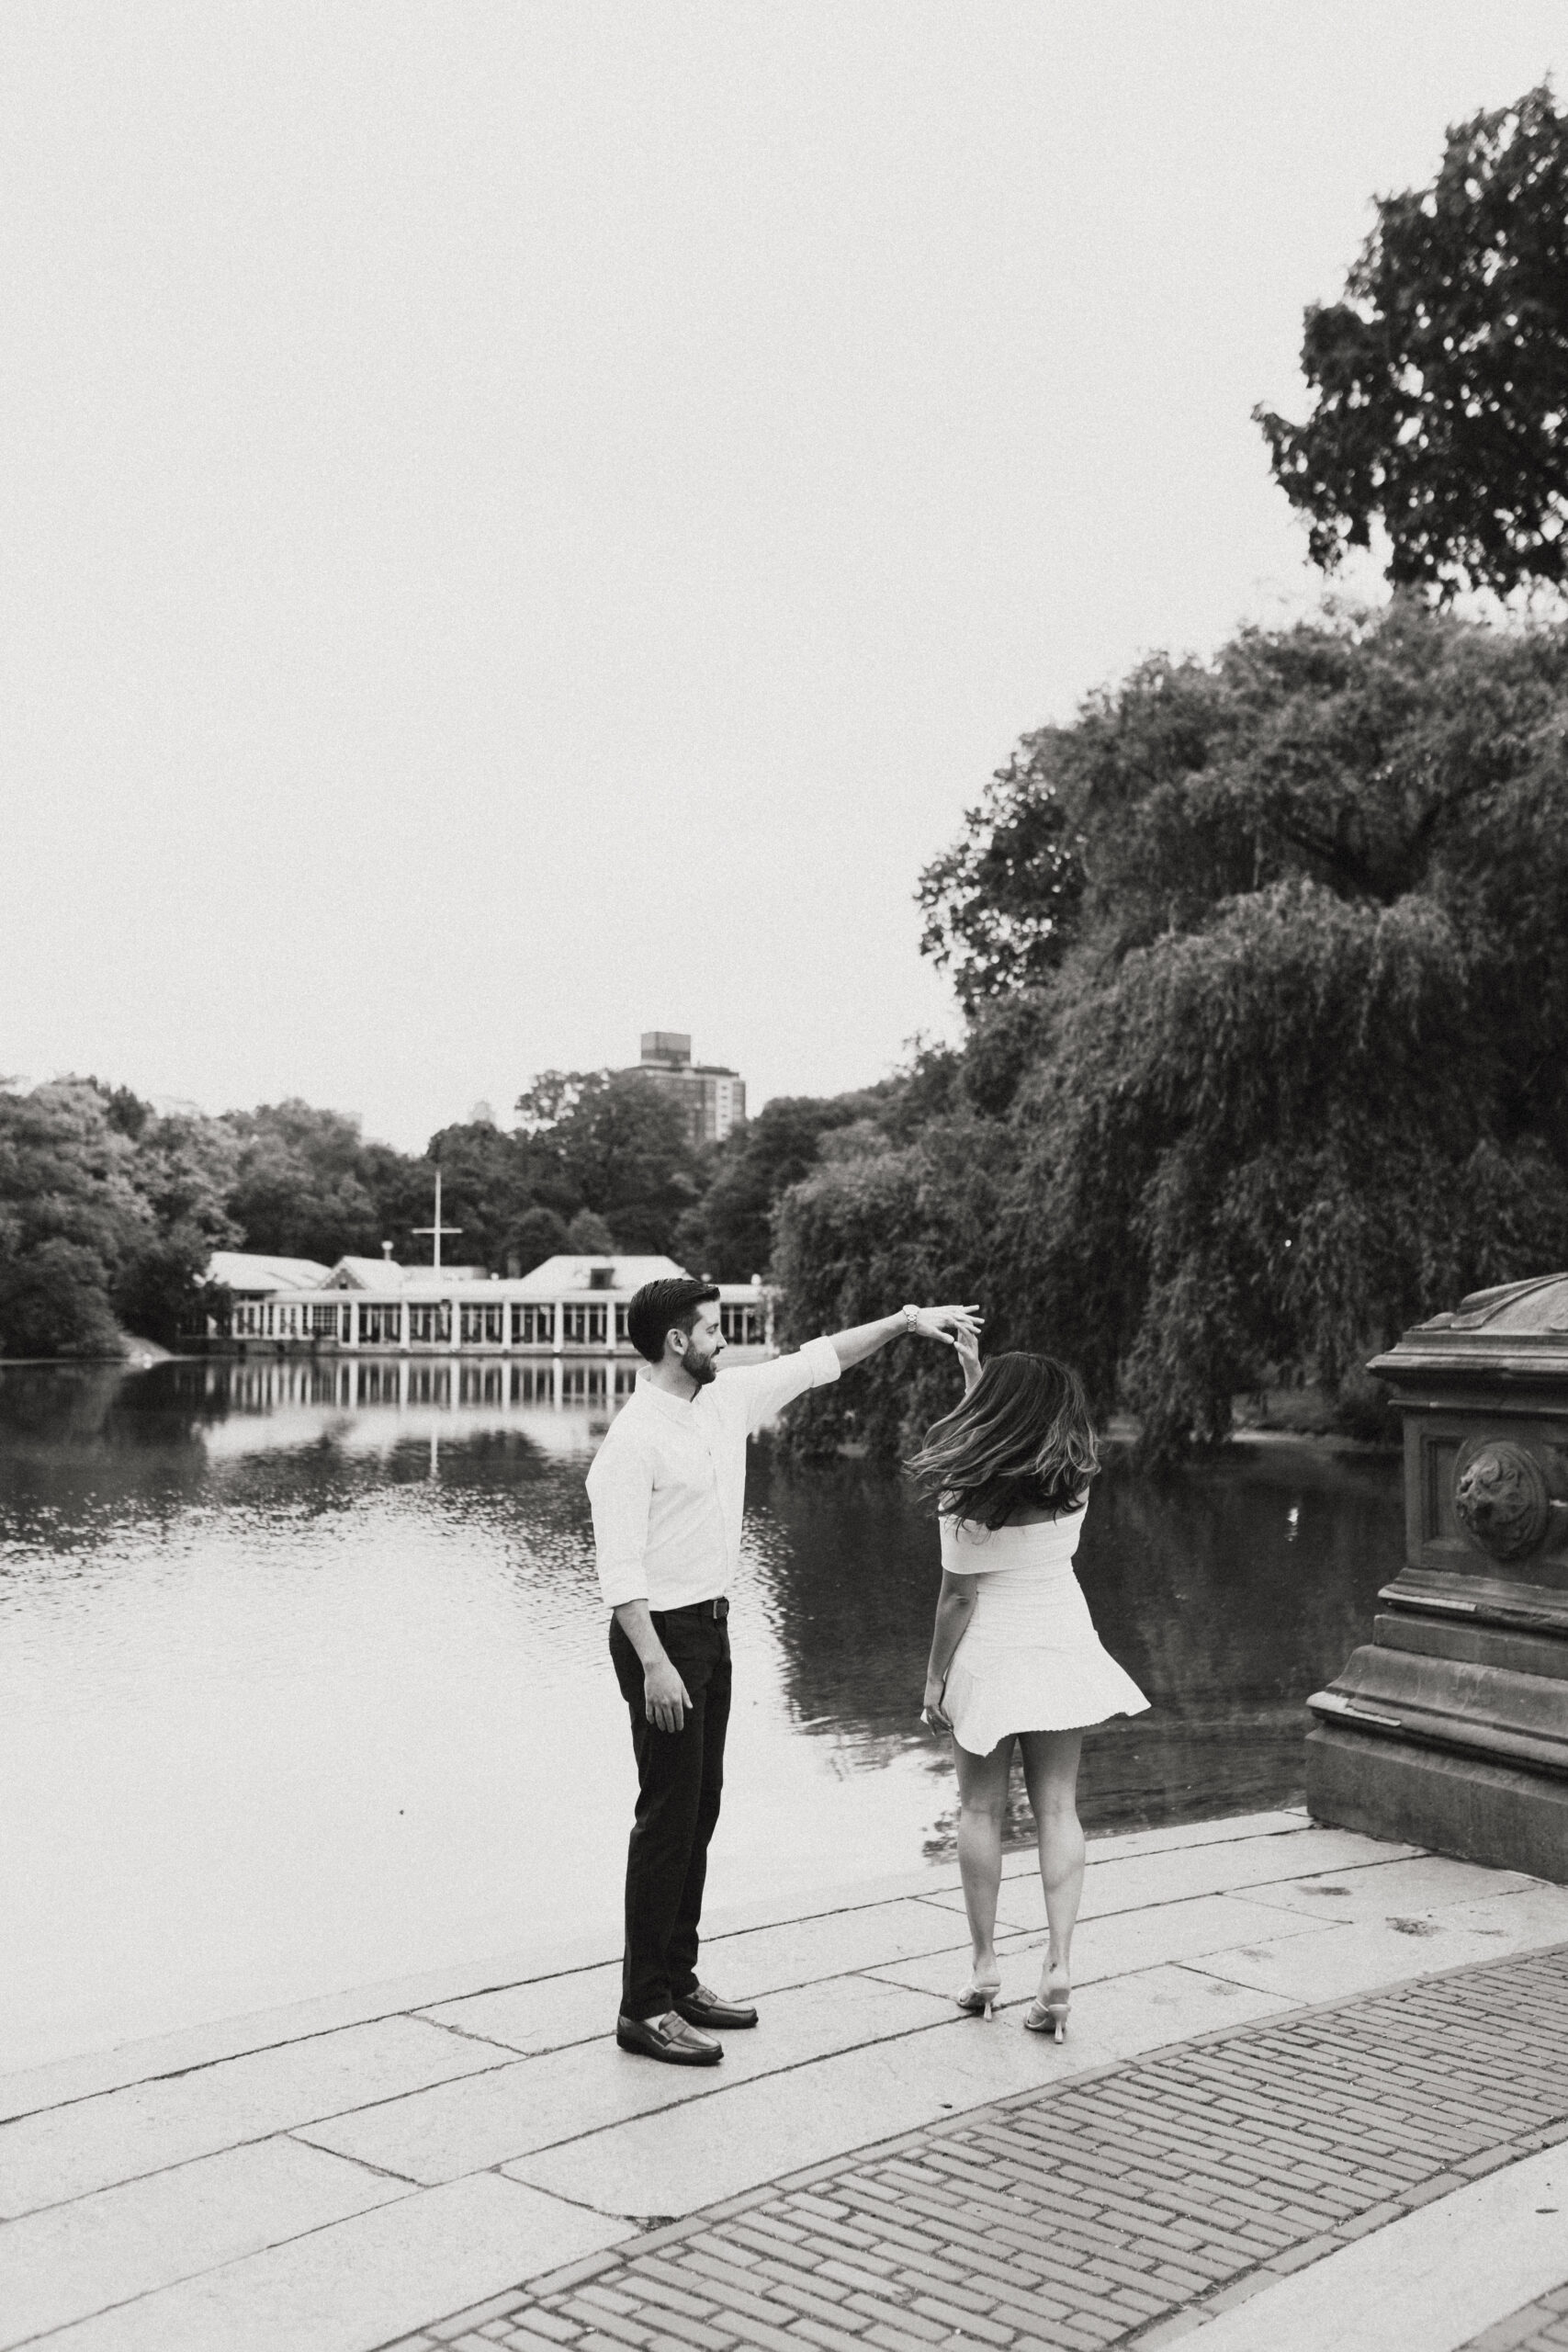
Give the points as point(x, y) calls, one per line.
point(1030, 1658)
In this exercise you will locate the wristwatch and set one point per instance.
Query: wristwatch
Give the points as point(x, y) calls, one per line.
point(911, 1316)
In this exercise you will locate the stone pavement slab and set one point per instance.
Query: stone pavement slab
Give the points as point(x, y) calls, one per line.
point(348, 2287)
point(1339, 1960)
point(762, 1960)
point(68, 2151)
point(460, 2127)
point(98, 2251)
point(1115, 1945)
point(1421, 1884)
point(1389, 2171)
point(532, 2018)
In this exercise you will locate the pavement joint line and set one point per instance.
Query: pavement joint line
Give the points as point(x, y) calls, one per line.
point(382, 2172)
point(485, 2041)
point(1267, 2269)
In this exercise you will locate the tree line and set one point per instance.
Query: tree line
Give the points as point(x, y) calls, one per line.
point(110, 1209)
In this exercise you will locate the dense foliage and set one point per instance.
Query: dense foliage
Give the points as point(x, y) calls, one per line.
point(108, 1214)
point(1284, 1068)
point(727, 1234)
point(1441, 378)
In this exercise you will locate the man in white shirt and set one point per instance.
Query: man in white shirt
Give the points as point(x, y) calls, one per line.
point(668, 1489)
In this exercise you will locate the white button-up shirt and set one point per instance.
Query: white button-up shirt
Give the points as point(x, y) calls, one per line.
point(667, 1485)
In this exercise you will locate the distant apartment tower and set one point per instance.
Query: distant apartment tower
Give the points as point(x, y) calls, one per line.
point(713, 1098)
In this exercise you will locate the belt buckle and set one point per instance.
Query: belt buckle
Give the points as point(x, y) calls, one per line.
point(721, 1609)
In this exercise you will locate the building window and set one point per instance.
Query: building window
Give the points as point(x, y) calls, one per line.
point(533, 1327)
point(431, 1326)
point(379, 1325)
point(743, 1324)
point(346, 1328)
point(584, 1326)
point(620, 1326)
point(483, 1326)
point(323, 1321)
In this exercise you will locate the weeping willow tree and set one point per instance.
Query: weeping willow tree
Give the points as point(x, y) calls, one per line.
point(1265, 963)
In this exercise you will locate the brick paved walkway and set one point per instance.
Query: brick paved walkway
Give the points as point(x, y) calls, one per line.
point(1117, 2206)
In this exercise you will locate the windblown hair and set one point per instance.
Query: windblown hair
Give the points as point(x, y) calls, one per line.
point(658, 1308)
point(1020, 1441)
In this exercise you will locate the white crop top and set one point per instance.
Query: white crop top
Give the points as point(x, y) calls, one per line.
point(971, 1550)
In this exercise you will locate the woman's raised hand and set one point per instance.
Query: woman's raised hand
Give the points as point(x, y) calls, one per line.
point(967, 1343)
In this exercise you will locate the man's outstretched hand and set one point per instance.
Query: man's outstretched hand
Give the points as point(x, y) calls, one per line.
point(948, 1323)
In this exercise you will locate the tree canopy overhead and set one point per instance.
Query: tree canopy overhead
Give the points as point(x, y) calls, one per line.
point(1441, 377)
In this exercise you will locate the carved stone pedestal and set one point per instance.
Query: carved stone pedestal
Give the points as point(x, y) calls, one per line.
point(1450, 1728)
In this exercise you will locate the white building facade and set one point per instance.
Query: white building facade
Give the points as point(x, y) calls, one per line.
point(568, 1306)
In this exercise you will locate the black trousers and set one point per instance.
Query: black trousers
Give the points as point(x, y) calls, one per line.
point(680, 1783)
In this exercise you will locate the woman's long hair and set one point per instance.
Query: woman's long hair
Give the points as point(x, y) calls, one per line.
point(1021, 1440)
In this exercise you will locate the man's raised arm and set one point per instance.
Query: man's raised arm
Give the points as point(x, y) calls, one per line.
point(768, 1387)
point(864, 1340)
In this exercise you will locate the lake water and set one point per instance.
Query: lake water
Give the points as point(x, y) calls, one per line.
point(298, 1695)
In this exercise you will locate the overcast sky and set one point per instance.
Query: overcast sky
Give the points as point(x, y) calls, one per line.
point(524, 523)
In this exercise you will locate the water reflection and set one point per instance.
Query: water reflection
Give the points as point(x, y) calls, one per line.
point(297, 1660)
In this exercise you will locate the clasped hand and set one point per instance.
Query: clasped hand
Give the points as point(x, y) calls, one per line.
point(953, 1324)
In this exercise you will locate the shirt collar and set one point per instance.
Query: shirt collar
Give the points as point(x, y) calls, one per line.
point(670, 1407)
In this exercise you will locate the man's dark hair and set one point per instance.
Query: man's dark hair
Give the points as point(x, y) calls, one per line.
point(658, 1307)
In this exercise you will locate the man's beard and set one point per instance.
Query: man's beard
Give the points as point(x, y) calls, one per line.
point(701, 1368)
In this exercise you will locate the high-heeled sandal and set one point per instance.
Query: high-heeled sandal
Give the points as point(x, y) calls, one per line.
point(980, 2000)
point(1049, 2014)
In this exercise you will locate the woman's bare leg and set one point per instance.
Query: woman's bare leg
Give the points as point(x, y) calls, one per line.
point(1050, 1776)
point(982, 1809)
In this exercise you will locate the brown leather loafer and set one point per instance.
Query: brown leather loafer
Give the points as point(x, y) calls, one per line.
point(703, 2007)
point(669, 2039)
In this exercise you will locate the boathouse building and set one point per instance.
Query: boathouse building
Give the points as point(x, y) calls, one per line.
point(569, 1306)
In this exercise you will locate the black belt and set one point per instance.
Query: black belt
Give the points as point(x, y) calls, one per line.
point(714, 1611)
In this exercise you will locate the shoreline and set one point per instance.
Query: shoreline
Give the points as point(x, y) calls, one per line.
point(1122, 1430)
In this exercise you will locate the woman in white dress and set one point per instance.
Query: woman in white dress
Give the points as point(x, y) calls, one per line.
point(1015, 1656)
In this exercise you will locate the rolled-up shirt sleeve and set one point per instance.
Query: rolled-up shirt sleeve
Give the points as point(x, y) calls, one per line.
point(766, 1388)
point(620, 1490)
